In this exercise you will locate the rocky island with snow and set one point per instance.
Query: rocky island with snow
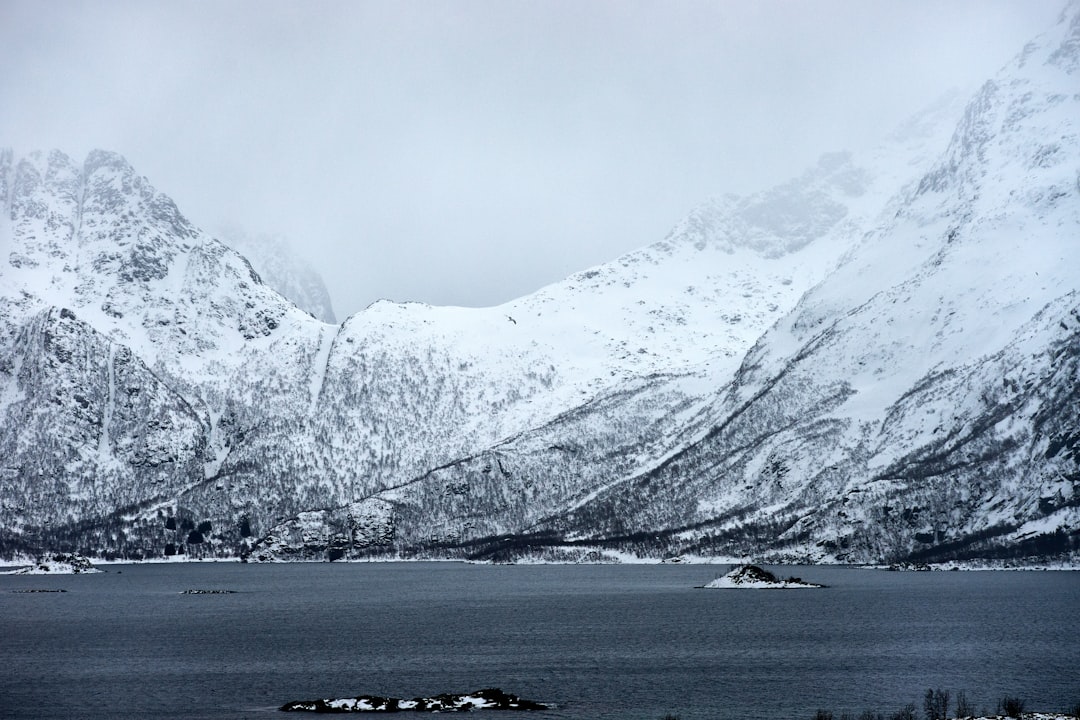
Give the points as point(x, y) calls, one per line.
point(487, 699)
point(752, 577)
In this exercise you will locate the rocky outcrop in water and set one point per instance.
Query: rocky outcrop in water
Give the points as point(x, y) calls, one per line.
point(487, 699)
point(754, 577)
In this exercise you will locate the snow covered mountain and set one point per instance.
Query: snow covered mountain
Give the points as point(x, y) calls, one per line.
point(876, 360)
point(920, 402)
point(98, 260)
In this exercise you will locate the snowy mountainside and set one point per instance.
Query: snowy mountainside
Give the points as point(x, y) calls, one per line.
point(87, 428)
point(919, 402)
point(101, 243)
point(281, 268)
point(97, 243)
point(95, 258)
point(691, 305)
point(922, 399)
point(478, 377)
point(399, 389)
point(633, 354)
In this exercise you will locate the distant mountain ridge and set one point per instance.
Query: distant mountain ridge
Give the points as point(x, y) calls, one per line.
point(876, 361)
point(281, 268)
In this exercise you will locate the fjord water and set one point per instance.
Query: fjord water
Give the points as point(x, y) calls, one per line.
point(627, 642)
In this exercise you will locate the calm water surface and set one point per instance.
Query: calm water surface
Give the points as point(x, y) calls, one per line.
point(635, 642)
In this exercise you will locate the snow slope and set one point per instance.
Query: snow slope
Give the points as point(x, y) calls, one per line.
point(921, 398)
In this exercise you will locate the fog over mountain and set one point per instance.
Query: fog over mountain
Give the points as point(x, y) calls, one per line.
point(874, 360)
point(282, 268)
point(469, 153)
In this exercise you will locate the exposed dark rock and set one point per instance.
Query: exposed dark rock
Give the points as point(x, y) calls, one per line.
point(39, 590)
point(910, 567)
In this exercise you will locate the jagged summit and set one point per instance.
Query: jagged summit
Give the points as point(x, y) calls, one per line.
point(101, 241)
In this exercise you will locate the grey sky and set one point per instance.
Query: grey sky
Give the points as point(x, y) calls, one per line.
point(468, 152)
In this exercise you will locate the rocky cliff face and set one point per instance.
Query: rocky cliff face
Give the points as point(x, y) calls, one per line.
point(105, 283)
point(87, 429)
point(874, 361)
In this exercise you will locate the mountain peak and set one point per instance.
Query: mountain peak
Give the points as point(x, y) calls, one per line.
point(1021, 123)
point(98, 158)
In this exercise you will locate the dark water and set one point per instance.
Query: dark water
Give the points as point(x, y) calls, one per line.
point(600, 642)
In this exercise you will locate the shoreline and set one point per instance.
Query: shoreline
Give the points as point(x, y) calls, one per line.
point(8, 565)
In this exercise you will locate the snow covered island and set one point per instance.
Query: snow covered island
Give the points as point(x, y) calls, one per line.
point(753, 577)
point(207, 592)
point(487, 699)
point(58, 564)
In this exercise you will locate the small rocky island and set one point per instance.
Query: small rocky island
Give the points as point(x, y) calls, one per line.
point(207, 592)
point(487, 699)
point(754, 577)
point(40, 590)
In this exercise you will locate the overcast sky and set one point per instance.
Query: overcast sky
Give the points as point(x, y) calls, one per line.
point(468, 152)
